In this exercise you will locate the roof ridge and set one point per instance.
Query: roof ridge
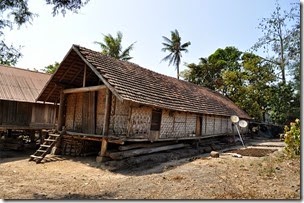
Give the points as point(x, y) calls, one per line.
point(154, 72)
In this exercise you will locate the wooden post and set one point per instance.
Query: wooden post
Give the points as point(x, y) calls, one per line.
point(60, 114)
point(105, 131)
point(129, 120)
point(84, 75)
point(40, 136)
point(106, 123)
point(104, 146)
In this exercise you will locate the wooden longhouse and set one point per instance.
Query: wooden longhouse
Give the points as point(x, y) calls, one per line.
point(113, 101)
point(19, 110)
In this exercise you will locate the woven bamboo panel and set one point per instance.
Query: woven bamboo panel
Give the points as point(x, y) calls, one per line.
point(177, 124)
point(119, 125)
point(99, 123)
point(203, 127)
point(191, 124)
point(119, 117)
point(209, 125)
point(140, 121)
point(179, 130)
point(69, 119)
point(77, 147)
point(224, 125)
point(122, 108)
point(166, 127)
point(217, 125)
point(179, 117)
point(101, 101)
point(113, 105)
point(78, 112)
point(100, 108)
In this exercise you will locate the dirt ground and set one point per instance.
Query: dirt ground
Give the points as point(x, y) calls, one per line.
point(259, 171)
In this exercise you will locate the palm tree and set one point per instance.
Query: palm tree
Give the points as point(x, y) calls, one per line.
point(175, 47)
point(112, 47)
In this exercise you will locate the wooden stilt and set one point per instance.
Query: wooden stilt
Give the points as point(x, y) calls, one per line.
point(104, 146)
point(106, 124)
point(40, 137)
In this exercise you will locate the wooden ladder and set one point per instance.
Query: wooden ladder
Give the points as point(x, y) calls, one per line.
point(45, 148)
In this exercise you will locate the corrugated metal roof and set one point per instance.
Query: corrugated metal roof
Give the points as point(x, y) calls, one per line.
point(23, 85)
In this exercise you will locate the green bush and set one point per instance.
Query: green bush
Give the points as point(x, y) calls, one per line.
point(293, 138)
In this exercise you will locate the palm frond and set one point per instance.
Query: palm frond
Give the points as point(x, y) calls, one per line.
point(167, 40)
point(166, 58)
point(125, 55)
point(185, 44)
point(175, 48)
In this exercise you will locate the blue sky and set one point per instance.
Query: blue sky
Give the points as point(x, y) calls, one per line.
point(207, 24)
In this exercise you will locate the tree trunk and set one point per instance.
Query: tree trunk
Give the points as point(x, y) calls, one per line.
point(177, 70)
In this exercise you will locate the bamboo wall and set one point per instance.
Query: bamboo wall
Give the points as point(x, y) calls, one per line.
point(134, 120)
point(212, 125)
point(177, 124)
point(81, 113)
point(43, 116)
point(100, 111)
point(119, 117)
point(24, 115)
point(140, 122)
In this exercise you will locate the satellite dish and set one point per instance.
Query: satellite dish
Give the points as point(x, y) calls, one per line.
point(243, 123)
point(234, 119)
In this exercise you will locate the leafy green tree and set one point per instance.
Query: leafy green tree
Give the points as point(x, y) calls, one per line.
point(175, 49)
point(281, 35)
point(112, 47)
point(16, 12)
point(204, 74)
point(281, 41)
point(226, 62)
point(292, 138)
point(51, 68)
point(258, 77)
point(245, 78)
point(282, 103)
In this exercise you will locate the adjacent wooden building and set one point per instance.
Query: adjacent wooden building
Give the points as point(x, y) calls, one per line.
point(115, 101)
point(19, 110)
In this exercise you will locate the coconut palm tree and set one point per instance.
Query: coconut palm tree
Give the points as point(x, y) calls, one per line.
point(175, 47)
point(112, 47)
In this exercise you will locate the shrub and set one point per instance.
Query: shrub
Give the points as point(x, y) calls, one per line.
point(293, 138)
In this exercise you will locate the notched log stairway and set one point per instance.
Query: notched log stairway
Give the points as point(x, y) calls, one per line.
point(45, 148)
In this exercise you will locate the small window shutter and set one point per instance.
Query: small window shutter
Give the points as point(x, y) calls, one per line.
point(156, 119)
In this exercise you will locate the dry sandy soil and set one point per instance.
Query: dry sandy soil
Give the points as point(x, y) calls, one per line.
point(263, 172)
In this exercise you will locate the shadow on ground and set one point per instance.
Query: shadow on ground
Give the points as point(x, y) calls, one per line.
point(151, 163)
point(73, 196)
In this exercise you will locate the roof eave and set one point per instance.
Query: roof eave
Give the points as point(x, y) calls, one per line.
point(50, 79)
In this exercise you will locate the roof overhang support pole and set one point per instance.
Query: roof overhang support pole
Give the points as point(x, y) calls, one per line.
point(84, 89)
point(61, 109)
point(106, 123)
point(84, 75)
